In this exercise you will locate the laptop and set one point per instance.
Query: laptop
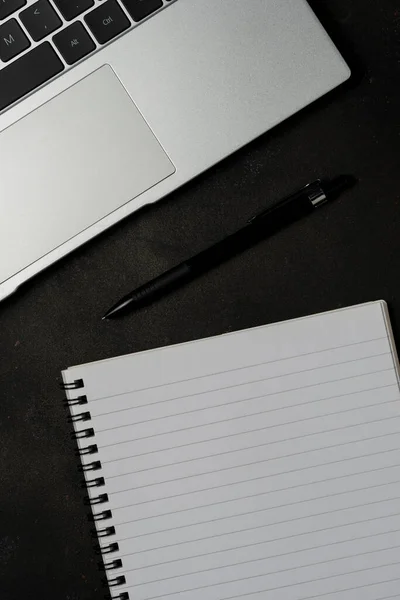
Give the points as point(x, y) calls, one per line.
point(109, 105)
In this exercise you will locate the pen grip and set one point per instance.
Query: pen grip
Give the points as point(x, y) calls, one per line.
point(162, 284)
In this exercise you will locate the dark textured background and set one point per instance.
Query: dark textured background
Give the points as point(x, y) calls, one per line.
point(345, 254)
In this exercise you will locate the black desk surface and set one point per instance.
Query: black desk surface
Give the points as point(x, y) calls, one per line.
point(345, 254)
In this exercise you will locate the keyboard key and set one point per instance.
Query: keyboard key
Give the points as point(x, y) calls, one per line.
point(72, 8)
point(7, 7)
point(13, 41)
point(74, 43)
point(140, 9)
point(107, 21)
point(27, 73)
point(40, 19)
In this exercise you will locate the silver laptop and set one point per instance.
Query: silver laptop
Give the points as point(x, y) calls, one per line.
point(108, 105)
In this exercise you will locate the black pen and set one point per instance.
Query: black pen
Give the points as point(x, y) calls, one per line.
point(262, 226)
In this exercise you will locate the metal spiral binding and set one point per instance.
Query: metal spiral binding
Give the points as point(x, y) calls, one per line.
point(74, 385)
point(107, 566)
point(89, 450)
point(79, 400)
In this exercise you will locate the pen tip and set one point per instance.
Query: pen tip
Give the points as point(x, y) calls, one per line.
point(108, 315)
point(112, 313)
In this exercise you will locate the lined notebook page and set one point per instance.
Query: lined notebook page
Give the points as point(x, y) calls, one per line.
point(263, 464)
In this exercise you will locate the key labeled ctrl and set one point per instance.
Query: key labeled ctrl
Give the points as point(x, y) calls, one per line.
point(107, 21)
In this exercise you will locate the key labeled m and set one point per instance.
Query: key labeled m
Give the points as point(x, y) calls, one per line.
point(9, 40)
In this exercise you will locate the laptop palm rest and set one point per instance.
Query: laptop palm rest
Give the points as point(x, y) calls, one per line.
point(70, 163)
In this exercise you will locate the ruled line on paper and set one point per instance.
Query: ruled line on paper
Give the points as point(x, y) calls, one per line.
point(271, 540)
point(349, 589)
point(341, 509)
point(244, 448)
point(253, 431)
point(279, 360)
point(276, 425)
point(274, 540)
point(244, 383)
point(263, 477)
point(329, 512)
point(392, 564)
point(266, 493)
point(241, 417)
point(359, 587)
point(258, 462)
point(238, 564)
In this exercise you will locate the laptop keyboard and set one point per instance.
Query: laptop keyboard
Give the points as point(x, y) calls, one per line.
point(41, 39)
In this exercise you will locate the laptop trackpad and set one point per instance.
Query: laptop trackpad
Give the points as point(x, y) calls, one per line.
point(69, 163)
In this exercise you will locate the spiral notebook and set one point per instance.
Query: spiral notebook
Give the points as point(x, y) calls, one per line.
point(261, 464)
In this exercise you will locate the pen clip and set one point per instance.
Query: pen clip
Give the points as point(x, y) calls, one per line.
point(313, 191)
